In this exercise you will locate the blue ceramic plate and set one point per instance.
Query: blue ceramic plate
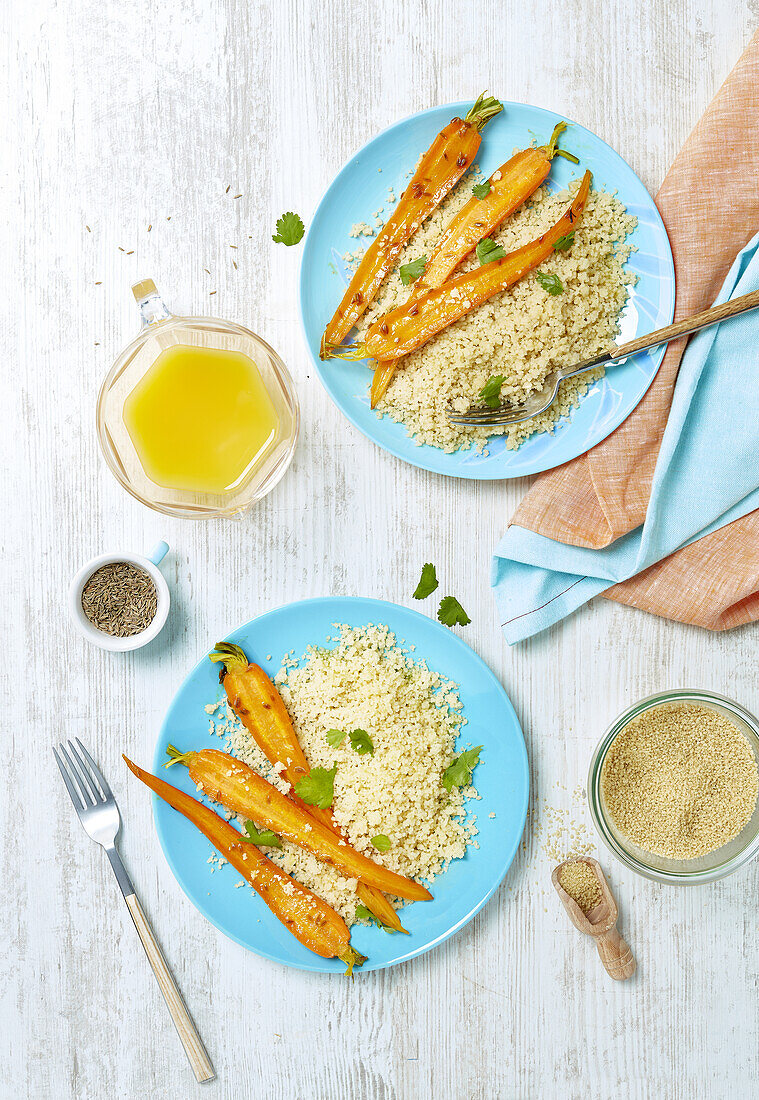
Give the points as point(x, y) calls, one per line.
point(360, 188)
point(502, 779)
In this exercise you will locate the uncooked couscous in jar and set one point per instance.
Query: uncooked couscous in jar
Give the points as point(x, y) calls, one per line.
point(679, 780)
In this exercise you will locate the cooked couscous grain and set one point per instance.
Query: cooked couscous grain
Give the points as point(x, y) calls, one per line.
point(680, 780)
point(523, 333)
point(579, 880)
point(413, 717)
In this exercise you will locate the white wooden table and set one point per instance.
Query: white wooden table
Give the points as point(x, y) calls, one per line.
point(121, 116)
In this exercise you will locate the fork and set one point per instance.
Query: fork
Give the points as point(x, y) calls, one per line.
point(99, 814)
point(543, 398)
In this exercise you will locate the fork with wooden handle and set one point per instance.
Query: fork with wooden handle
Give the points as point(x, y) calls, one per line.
point(99, 814)
point(543, 398)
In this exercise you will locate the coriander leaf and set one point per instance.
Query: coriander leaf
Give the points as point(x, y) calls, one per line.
point(364, 914)
point(552, 284)
point(361, 742)
point(410, 272)
point(488, 250)
point(266, 837)
point(565, 242)
point(459, 773)
point(451, 613)
point(290, 229)
point(491, 391)
point(335, 737)
point(481, 190)
point(318, 788)
point(381, 842)
point(427, 582)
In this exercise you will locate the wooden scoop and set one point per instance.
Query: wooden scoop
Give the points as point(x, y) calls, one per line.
point(600, 922)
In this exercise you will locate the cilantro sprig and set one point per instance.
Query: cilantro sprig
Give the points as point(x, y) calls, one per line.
point(266, 838)
point(482, 190)
point(488, 250)
point(451, 613)
point(381, 842)
point(565, 242)
point(411, 271)
point(361, 742)
point(459, 773)
point(318, 787)
point(490, 394)
point(290, 229)
point(427, 582)
point(551, 283)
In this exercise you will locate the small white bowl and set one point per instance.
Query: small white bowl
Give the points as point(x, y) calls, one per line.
point(134, 641)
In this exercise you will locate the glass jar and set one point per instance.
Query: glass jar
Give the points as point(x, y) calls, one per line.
point(683, 872)
point(161, 330)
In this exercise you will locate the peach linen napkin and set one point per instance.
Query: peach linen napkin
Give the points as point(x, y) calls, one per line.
point(709, 202)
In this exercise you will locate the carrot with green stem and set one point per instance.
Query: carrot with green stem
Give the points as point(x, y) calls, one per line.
point(492, 202)
point(411, 325)
point(225, 779)
point(308, 917)
point(440, 168)
point(259, 706)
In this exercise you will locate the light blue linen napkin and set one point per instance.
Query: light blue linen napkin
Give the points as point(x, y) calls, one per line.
point(707, 475)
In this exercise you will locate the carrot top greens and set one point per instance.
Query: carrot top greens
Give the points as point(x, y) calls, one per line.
point(484, 108)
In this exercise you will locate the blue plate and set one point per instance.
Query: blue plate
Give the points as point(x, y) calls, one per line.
point(359, 189)
point(502, 779)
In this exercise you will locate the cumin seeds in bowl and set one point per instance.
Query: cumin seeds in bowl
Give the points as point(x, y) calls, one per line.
point(120, 599)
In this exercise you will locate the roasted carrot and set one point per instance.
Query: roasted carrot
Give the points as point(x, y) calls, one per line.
point(410, 326)
point(257, 703)
point(308, 917)
point(242, 790)
point(510, 186)
point(440, 168)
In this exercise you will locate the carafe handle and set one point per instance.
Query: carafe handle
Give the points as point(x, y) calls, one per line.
point(152, 307)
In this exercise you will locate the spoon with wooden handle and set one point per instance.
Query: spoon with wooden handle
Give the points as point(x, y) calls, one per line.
point(600, 922)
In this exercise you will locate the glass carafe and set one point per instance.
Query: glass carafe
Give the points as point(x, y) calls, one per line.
point(161, 330)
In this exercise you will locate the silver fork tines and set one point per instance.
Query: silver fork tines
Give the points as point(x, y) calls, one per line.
point(91, 795)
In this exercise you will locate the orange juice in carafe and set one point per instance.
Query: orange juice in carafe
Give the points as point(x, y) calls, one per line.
point(200, 419)
point(197, 417)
